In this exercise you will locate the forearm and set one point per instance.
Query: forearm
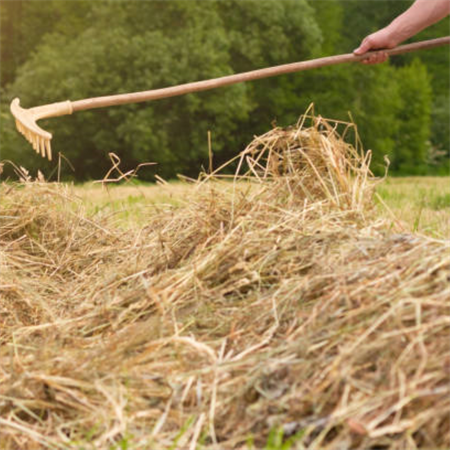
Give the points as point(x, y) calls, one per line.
point(420, 15)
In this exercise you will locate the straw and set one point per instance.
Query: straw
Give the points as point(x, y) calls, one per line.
point(277, 304)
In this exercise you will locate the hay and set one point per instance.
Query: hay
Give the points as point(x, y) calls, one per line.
point(278, 308)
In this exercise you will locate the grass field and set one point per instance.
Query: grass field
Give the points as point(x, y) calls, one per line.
point(419, 204)
point(293, 309)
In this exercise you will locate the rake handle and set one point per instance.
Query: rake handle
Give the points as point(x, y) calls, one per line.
point(136, 97)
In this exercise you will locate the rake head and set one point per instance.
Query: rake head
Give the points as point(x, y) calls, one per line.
point(26, 123)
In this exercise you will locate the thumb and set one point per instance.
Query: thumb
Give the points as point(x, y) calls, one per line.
point(363, 48)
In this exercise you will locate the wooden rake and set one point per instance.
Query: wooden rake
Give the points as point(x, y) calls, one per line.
point(40, 139)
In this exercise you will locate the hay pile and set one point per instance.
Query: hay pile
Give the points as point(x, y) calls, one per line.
point(278, 309)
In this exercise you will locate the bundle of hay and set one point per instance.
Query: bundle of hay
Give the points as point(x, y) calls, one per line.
point(275, 310)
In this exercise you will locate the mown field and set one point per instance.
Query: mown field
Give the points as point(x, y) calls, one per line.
point(419, 204)
point(303, 307)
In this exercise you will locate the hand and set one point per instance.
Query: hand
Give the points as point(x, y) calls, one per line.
point(379, 40)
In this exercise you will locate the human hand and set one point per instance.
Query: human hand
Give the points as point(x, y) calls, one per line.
point(382, 39)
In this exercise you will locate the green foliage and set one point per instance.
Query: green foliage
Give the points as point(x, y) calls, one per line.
point(440, 118)
point(363, 17)
point(375, 111)
point(401, 107)
point(414, 118)
point(330, 14)
point(143, 45)
point(24, 23)
point(437, 63)
point(53, 50)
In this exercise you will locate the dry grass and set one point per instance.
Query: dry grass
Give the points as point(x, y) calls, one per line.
point(279, 305)
point(420, 204)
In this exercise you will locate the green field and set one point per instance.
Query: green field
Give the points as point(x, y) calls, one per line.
point(422, 204)
point(416, 204)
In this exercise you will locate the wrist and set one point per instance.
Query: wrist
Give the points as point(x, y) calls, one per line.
point(398, 31)
point(393, 34)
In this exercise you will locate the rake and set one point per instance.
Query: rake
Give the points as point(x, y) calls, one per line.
point(40, 139)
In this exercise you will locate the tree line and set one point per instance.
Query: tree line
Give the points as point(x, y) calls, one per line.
point(54, 50)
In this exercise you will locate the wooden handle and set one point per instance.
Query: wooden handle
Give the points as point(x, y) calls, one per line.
point(136, 97)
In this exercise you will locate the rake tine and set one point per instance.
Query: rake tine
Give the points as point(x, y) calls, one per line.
point(26, 123)
point(41, 146)
point(49, 149)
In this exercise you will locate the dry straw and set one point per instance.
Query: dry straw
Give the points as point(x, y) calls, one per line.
point(276, 307)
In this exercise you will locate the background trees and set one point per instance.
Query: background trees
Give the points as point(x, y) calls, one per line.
point(53, 50)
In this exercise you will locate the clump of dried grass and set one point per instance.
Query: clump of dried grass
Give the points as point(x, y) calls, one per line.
point(279, 305)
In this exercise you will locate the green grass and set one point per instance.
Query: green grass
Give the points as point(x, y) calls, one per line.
point(421, 204)
point(130, 204)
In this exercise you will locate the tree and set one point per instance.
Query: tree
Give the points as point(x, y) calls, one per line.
point(24, 23)
point(135, 46)
point(363, 17)
point(413, 136)
point(53, 50)
point(329, 14)
point(437, 63)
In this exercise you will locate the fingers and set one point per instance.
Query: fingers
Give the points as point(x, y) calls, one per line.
point(365, 46)
point(382, 39)
point(376, 58)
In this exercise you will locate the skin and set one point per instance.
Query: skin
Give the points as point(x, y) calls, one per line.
point(420, 15)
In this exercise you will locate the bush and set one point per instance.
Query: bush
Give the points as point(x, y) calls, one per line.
point(133, 46)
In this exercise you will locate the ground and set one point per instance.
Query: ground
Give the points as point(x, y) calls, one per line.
point(288, 310)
